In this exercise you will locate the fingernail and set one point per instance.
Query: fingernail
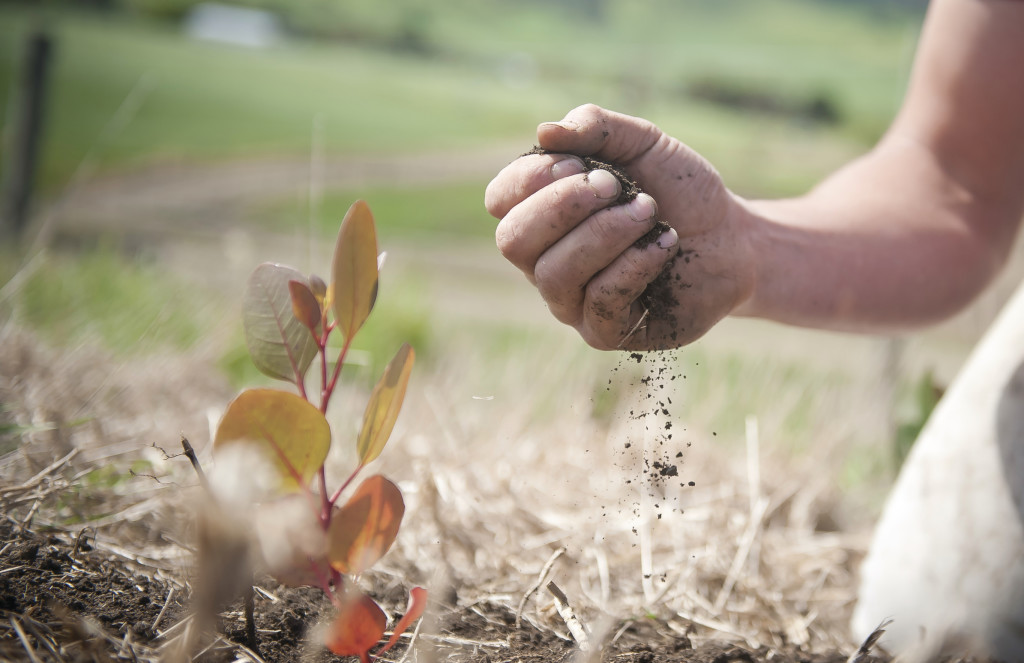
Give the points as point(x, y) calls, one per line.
point(667, 239)
point(642, 208)
point(567, 167)
point(568, 125)
point(604, 184)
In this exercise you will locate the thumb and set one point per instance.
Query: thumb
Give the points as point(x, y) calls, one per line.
point(590, 130)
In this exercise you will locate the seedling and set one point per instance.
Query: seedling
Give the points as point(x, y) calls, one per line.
point(289, 319)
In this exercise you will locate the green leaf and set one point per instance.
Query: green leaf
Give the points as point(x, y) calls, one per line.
point(287, 428)
point(384, 405)
point(365, 527)
point(354, 269)
point(280, 344)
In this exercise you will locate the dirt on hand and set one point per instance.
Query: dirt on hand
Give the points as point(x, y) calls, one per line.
point(658, 299)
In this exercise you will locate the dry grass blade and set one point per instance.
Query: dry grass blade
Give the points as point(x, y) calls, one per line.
point(863, 652)
point(43, 474)
point(43, 635)
point(535, 586)
point(163, 610)
point(742, 553)
point(24, 641)
point(466, 642)
point(578, 630)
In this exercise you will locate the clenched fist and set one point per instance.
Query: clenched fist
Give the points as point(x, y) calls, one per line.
point(563, 227)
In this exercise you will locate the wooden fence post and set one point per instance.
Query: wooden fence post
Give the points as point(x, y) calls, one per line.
point(23, 136)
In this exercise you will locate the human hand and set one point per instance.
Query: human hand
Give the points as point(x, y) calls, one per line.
point(563, 227)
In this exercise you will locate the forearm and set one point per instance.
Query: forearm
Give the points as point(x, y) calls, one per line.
point(889, 243)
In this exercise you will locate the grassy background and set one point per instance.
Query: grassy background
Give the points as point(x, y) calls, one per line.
point(483, 71)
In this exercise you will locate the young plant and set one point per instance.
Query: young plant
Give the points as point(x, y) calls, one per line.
point(306, 536)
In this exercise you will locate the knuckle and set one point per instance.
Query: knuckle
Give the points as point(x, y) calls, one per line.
point(637, 268)
point(542, 271)
point(516, 182)
point(707, 183)
point(607, 301)
point(505, 236)
point(596, 340)
point(547, 275)
point(601, 228)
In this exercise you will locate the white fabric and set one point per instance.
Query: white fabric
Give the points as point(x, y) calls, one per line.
point(947, 560)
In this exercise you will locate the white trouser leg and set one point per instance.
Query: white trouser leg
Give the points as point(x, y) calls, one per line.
point(947, 559)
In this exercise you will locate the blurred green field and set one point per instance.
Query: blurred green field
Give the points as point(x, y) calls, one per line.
point(409, 77)
point(483, 72)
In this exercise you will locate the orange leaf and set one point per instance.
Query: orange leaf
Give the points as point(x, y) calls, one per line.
point(417, 604)
point(384, 405)
point(358, 626)
point(365, 527)
point(354, 269)
point(304, 305)
point(292, 432)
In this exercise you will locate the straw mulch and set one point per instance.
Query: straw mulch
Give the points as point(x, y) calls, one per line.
point(542, 531)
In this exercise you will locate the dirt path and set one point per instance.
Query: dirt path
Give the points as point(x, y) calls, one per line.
point(202, 196)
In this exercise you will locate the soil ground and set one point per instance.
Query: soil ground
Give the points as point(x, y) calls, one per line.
point(64, 600)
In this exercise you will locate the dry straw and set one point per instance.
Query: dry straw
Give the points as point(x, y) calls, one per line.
point(522, 500)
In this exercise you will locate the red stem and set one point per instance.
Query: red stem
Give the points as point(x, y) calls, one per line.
point(325, 504)
point(325, 584)
point(334, 378)
point(341, 489)
point(322, 342)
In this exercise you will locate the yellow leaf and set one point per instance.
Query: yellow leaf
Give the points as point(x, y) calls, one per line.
point(364, 529)
point(287, 428)
point(384, 405)
point(354, 270)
